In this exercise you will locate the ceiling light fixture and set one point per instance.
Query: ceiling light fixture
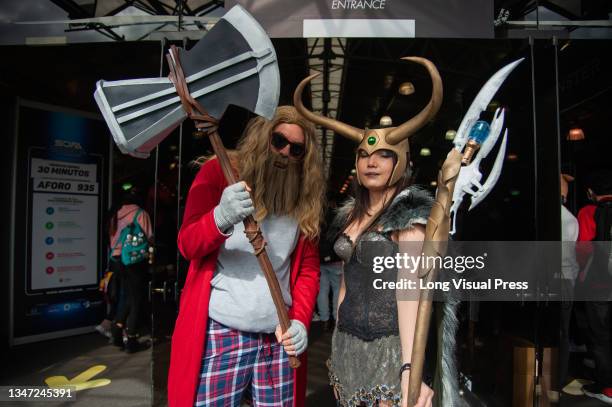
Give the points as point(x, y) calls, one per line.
point(575, 134)
point(406, 88)
point(425, 152)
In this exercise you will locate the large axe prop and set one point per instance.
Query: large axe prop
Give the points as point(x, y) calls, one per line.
point(235, 63)
point(460, 174)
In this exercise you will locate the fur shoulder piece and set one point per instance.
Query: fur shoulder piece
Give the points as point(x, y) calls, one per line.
point(409, 207)
point(341, 214)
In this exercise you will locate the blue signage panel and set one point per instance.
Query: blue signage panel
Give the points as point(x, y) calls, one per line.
point(62, 168)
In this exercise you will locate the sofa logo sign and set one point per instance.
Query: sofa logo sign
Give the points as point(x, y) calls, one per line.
point(358, 4)
point(73, 145)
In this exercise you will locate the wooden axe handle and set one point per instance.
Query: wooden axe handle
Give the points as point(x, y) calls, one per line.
point(251, 229)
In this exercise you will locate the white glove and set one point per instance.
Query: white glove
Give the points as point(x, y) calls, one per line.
point(235, 205)
point(295, 340)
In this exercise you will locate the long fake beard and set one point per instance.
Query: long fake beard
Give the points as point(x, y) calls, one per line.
point(282, 184)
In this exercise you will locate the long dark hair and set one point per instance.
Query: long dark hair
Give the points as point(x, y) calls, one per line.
point(362, 195)
point(129, 197)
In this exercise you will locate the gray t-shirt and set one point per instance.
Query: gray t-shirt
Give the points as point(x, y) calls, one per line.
point(240, 297)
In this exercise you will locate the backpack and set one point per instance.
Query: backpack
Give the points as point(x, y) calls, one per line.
point(134, 243)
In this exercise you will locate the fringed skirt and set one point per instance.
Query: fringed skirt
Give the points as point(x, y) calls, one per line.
point(363, 373)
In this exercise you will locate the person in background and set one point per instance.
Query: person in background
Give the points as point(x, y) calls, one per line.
point(109, 288)
point(131, 279)
point(595, 225)
point(569, 272)
point(331, 271)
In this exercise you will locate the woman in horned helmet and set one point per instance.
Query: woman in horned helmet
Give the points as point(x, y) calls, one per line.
point(372, 345)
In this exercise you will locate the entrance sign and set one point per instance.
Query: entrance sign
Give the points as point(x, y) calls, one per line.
point(346, 28)
point(373, 18)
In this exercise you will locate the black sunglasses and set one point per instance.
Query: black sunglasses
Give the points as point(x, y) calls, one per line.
point(279, 141)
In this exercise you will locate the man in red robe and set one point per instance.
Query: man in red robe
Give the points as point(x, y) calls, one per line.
point(227, 340)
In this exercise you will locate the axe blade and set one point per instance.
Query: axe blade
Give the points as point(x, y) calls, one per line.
point(235, 63)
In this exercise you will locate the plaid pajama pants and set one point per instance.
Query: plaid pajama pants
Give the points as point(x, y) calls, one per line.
point(237, 363)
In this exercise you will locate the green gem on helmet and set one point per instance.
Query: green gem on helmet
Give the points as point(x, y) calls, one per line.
point(371, 140)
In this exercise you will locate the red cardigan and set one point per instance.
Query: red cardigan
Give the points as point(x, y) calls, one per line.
point(199, 240)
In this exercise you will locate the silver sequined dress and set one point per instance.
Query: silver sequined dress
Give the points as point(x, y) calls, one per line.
point(362, 371)
point(366, 350)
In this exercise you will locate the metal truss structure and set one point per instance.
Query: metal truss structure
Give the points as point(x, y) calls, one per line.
point(573, 14)
point(105, 16)
point(326, 56)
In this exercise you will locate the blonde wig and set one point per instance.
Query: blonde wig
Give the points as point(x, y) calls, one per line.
point(298, 190)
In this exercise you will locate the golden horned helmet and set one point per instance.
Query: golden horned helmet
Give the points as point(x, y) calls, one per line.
point(390, 138)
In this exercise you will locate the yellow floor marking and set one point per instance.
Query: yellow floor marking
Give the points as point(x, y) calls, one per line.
point(80, 381)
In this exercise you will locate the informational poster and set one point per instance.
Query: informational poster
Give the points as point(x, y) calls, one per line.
point(64, 214)
point(60, 198)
